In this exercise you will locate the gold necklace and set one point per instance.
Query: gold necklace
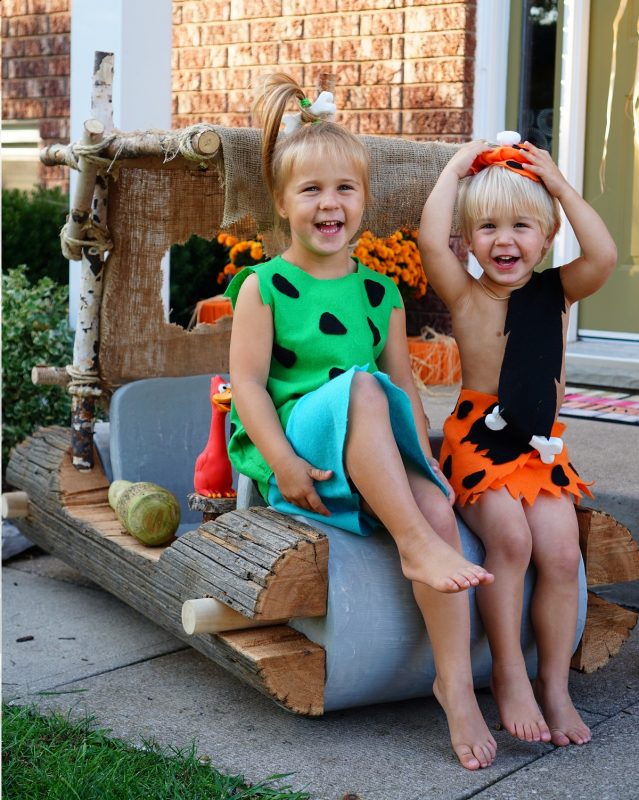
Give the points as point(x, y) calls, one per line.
point(490, 293)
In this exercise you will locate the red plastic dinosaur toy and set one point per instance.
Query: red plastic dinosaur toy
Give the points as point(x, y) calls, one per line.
point(213, 476)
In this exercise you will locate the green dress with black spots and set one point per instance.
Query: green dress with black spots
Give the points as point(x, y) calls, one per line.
point(324, 331)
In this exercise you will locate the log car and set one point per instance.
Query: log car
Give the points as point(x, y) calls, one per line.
point(313, 617)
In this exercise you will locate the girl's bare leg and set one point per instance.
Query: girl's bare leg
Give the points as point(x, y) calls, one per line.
point(501, 524)
point(376, 468)
point(447, 619)
point(555, 538)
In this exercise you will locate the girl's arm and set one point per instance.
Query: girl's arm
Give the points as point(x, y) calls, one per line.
point(250, 358)
point(448, 276)
point(395, 361)
point(588, 273)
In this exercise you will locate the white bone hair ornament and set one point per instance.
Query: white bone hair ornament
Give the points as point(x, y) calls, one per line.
point(547, 446)
point(508, 138)
point(323, 107)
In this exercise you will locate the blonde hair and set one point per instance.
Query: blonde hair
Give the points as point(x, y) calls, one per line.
point(497, 191)
point(314, 137)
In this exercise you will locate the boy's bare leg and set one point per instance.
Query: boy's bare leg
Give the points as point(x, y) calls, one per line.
point(376, 468)
point(447, 619)
point(501, 524)
point(556, 555)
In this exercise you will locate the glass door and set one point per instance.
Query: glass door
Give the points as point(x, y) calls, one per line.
point(533, 70)
point(611, 168)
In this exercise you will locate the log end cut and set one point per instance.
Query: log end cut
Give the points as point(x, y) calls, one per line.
point(290, 668)
point(608, 626)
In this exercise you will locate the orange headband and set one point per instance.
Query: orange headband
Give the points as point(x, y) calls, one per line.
point(510, 157)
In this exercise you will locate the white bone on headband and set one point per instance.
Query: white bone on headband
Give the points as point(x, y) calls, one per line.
point(322, 107)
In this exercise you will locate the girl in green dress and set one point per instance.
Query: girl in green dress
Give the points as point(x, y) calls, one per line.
point(326, 418)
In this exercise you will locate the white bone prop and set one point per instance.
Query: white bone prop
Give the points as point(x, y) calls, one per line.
point(495, 421)
point(323, 107)
point(547, 447)
point(508, 138)
point(208, 615)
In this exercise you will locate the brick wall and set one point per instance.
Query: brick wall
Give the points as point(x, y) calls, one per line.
point(401, 71)
point(35, 70)
point(406, 70)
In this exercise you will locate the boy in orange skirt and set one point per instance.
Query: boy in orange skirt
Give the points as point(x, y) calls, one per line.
point(503, 452)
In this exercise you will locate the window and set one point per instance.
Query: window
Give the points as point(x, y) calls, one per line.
point(20, 155)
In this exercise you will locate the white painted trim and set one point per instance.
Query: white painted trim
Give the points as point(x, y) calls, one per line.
point(587, 333)
point(491, 68)
point(491, 78)
point(138, 33)
point(572, 125)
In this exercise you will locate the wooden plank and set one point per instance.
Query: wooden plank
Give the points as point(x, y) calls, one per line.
point(608, 626)
point(610, 553)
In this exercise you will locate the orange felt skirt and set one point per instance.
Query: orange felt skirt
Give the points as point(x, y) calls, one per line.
point(475, 458)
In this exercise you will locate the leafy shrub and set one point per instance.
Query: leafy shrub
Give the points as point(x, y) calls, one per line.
point(31, 223)
point(195, 266)
point(34, 331)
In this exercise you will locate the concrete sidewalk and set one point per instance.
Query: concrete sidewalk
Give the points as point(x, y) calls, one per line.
point(71, 646)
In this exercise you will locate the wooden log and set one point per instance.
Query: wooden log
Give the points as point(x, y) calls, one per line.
point(203, 140)
point(610, 553)
point(211, 507)
point(41, 375)
point(206, 615)
point(610, 556)
point(290, 664)
point(15, 505)
point(70, 518)
point(87, 223)
point(607, 628)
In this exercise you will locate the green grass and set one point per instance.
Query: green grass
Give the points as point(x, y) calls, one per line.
point(51, 757)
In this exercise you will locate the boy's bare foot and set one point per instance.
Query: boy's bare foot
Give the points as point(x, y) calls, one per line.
point(566, 726)
point(430, 560)
point(472, 742)
point(518, 709)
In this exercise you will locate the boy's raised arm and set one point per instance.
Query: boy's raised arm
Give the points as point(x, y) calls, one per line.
point(443, 269)
point(588, 273)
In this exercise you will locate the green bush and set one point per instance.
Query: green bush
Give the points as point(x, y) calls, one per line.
point(31, 223)
point(195, 266)
point(35, 330)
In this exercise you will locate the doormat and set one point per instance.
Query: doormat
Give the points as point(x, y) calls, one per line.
point(601, 405)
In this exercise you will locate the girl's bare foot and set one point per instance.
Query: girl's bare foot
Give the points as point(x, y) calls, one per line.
point(428, 559)
point(566, 726)
point(518, 709)
point(472, 742)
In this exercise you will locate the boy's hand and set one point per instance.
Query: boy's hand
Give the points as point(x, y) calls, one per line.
point(541, 164)
point(295, 480)
point(461, 162)
point(434, 463)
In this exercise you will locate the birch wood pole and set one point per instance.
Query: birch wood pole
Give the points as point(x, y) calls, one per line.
point(88, 223)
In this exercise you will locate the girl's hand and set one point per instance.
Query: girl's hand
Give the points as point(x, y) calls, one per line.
point(461, 162)
point(541, 164)
point(295, 480)
point(440, 475)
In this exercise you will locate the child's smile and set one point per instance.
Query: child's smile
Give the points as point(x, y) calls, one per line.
point(509, 248)
point(323, 202)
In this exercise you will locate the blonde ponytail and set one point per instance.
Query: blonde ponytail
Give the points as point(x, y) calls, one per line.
point(280, 153)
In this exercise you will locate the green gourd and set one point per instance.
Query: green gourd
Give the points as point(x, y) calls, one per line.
point(147, 511)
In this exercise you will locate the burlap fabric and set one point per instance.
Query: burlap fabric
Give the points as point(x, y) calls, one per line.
point(402, 176)
point(153, 205)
